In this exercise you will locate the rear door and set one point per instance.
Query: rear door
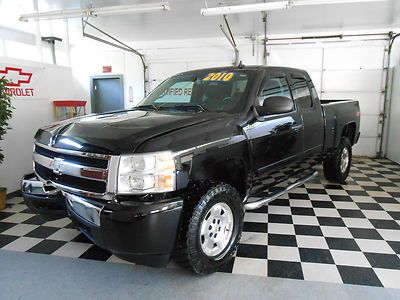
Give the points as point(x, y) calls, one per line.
point(309, 106)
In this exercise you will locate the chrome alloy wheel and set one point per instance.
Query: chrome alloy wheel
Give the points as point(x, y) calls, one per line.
point(216, 229)
point(344, 160)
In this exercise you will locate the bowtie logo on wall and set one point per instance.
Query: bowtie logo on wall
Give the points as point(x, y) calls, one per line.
point(17, 77)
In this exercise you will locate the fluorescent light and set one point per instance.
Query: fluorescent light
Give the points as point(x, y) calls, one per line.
point(237, 9)
point(100, 11)
point(276, 5)
point(127, 9)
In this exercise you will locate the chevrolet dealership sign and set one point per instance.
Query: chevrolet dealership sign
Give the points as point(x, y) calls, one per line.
point(23, 80)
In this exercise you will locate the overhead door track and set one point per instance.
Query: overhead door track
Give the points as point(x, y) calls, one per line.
point(118, 44)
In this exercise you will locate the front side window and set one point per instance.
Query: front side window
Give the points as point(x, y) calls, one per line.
point(274, 86)
point(219, 91)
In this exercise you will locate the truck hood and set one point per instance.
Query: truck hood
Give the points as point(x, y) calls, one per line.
point(118, 132)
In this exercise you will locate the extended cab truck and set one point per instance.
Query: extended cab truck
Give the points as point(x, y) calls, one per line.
point(174, 175)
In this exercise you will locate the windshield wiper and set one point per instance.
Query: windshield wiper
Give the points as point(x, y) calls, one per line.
point(148, 106)
point(190, 107)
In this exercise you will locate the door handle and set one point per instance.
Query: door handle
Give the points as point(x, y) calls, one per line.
point(296, 127)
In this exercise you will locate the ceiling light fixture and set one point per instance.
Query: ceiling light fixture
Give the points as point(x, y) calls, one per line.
point(100, 11)
point(246, 8)
point(275, 5)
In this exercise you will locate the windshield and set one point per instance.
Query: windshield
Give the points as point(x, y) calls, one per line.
point(217, 91)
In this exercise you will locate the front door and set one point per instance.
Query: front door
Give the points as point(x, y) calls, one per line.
point(276, 142)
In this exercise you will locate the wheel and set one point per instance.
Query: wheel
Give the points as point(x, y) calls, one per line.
point(337, 168)
point(211, 229)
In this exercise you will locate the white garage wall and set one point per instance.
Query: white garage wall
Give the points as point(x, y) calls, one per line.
point(88, 58)
point(21, 40)
point(29, 115)
point(308, 57)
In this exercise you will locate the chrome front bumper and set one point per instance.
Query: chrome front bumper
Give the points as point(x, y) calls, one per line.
point(43, 199)
point(137, 231)
point(32, 185)
point(48, 200)
point(88, 211)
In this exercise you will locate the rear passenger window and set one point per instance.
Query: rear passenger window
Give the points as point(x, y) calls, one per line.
point(301, 92)
point(314, 93)
point(274, 86)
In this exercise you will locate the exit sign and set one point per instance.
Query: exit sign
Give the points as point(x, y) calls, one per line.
point(107, 69)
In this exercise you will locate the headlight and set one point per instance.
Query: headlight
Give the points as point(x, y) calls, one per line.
point(146, 173)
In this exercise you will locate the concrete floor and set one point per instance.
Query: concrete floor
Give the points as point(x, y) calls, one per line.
point(38, 276)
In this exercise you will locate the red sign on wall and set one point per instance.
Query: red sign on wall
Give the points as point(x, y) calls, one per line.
point(107, 69)
point(19, 82)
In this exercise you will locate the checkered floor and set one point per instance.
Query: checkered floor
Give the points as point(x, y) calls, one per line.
point(321, 231)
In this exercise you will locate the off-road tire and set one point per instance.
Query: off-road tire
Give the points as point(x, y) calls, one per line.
point(332, 165)
point(188, 251)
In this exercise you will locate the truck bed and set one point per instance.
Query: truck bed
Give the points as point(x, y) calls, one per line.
point(332, 101)
point(337, 114)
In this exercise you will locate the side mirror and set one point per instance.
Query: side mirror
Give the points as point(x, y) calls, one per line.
point(275, 105)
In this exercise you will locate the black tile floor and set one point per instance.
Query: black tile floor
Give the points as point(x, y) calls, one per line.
point(321, 231)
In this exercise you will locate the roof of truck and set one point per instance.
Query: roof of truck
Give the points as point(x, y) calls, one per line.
point(251, 67)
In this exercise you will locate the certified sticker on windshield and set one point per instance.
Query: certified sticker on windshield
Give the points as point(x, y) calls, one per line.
point(219, 76)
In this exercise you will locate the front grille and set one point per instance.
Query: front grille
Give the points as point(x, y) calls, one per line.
point(75, 182)
point(71, 181)
point(84, 161)
point(81, 183)
point(43, 172)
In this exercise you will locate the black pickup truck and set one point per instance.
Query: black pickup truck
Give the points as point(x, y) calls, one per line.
point(174, 176)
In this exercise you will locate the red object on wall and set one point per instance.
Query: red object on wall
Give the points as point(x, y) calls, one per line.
point(59, 103)
point(107, 69)
point(65, 109)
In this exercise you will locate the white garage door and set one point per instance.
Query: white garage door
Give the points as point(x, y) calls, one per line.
point(393, 150)
point(158, 72)
point(344, 70)
point(166, 61)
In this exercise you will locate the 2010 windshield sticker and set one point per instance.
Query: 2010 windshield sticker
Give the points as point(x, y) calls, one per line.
point(219, 76)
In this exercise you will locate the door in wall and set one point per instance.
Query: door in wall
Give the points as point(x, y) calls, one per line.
point(107, 93)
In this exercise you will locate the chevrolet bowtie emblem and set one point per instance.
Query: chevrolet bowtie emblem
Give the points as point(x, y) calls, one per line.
point(16, 76)
point(57, 166)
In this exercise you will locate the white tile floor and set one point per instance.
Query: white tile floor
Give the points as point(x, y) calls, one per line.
point(326, 273)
